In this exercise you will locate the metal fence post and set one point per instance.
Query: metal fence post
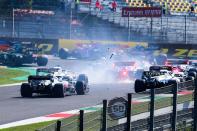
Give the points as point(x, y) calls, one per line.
point(174, 110)
point(129, 29)
point(152, 109)
point(129, 112)
point(59, 123)
point(104, 120)
point(195, 105)
point(185, 29)
point(81, 116)
point(151, 27)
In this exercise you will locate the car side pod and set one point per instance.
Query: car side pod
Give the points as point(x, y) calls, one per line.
point(139, 86)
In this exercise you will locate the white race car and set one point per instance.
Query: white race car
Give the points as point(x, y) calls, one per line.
point(158, 78)
point(54, 81)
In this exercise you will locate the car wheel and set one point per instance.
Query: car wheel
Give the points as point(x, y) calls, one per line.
point(63, 53)
point(79, 87)
point(42, 61)
point(139, 86)
point(58, 90)
point(26, 90)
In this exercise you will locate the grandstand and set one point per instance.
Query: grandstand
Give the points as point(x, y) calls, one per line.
point(178, 26)
point(174, 6)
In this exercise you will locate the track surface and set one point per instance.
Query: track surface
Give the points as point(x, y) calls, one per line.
point(14, 107)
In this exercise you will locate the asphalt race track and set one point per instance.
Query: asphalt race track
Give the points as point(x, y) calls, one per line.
point(13, 107)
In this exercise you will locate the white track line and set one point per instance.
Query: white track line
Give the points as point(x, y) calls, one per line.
point(15, 84)
point(45, 118)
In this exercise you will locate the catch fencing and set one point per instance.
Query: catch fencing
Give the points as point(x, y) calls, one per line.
point(108, 26)
point(172, 107)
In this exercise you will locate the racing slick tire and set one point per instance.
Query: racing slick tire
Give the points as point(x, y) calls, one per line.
point(58, 90)
point(139, 86)
point(26, 90)
point(63, 53)
point(192, 74)
point(42, 61)
point(80, 88)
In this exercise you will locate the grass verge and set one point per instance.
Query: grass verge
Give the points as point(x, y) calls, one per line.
point(31, 127)
point(7, 75)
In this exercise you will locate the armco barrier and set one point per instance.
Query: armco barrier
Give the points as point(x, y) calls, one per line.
point(173, 107)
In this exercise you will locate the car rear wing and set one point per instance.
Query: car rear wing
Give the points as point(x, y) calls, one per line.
point(46, 70)
point(36, 77)
point(152, 73)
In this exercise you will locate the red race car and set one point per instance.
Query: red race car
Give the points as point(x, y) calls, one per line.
point(124, 70)
point(4, 45)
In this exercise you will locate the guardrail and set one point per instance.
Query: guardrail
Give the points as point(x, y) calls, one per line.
point(172, 107)
point(166, 119)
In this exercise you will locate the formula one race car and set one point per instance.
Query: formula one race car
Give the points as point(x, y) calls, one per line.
point(158, 78)
point(4, 45)
point(182, 72)
point(124, 70)
point(54, 82)
point(81, 86)
point(19, 54)
point(127, 69)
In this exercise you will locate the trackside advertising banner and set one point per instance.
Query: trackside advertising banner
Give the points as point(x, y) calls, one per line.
point(141, 12)
point(181, 51)
point(73, 44)
point(48, 46)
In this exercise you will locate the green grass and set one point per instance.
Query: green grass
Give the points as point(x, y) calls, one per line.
point(8, 74)
point(31, 127)
point(92, 121)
